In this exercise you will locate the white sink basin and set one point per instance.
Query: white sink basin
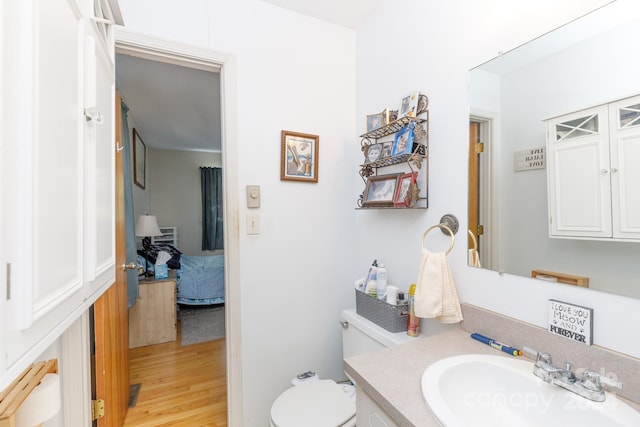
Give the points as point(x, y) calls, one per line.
point(482, 390)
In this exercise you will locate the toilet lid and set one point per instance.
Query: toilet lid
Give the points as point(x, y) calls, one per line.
point(316, 404)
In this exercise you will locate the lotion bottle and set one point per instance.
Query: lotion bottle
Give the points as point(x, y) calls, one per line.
point(372, 279)
point(381, 282)
point(413, 322)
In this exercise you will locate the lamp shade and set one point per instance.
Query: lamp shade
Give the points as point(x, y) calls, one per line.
point(147, 225)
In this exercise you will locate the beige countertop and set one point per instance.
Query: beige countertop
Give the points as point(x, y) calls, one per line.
point(392, 376)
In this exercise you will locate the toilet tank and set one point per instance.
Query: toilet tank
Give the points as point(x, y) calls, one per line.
point(360, 335)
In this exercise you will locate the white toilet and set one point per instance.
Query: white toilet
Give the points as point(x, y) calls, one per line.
point(323, 403)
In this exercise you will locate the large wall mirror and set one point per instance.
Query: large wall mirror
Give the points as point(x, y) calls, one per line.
point(591, 61)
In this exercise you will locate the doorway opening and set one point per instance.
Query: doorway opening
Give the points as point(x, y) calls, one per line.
point(164, 52)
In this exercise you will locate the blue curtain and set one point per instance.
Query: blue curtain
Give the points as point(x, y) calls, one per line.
point(211, 187)
point(129, 220)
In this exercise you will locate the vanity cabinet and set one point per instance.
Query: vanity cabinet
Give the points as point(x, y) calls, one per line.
point(593, 176)
point(57, 178)
point(389, 161)
point(369, 413)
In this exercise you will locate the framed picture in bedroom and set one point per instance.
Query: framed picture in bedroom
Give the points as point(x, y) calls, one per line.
point(139, 159)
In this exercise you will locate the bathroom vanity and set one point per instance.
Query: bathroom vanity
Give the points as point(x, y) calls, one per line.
point(388, 382)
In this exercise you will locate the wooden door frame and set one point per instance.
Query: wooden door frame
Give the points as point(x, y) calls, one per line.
point(489, 185)
point(76, 383)
point(157, 49)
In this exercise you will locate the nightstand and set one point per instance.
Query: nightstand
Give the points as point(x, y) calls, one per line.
point(152, 320)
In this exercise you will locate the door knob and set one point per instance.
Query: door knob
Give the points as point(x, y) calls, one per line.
point(130, 266)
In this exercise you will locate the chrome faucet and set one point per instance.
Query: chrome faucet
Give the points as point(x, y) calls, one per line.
point(588, 385)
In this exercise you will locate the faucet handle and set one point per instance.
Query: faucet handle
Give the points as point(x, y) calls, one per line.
point(532, 352)
point(611, 382)
point(593, 381)
point(544, 357)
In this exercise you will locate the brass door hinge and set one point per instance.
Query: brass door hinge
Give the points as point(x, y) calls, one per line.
point(479, 147)
point(97, 409)
point(480, 230)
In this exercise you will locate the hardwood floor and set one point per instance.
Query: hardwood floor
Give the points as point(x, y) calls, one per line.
point(180, 386)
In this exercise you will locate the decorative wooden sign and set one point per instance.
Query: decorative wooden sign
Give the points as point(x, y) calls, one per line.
point(529, 159)
point(571, 321)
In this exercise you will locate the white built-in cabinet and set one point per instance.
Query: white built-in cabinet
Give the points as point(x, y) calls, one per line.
point(593, 174)
point(57, 170)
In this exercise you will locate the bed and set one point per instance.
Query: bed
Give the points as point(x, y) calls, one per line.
point(200, 279)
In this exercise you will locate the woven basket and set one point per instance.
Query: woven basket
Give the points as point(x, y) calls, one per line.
point(393, 318)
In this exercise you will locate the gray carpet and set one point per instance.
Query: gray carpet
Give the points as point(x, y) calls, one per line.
point(199, 324)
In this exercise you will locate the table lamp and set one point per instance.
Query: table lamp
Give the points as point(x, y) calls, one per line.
point(147, 227)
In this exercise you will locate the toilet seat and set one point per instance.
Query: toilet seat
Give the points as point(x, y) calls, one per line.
point(321, 403)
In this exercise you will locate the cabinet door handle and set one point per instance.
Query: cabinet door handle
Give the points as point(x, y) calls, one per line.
point(130, 266)
point(604, 171)
point(614, 170)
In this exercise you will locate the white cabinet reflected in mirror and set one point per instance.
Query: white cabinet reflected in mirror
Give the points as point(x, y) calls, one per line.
point(585, 64)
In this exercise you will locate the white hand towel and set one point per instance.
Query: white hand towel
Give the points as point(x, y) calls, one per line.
point(436, 295)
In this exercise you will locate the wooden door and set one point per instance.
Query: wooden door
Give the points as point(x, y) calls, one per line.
point(474, 182)
point(111, 316)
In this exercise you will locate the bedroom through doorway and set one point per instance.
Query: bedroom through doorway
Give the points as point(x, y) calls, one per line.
point(174, 106)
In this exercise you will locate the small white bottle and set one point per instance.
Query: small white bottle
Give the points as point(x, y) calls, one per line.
point(381, 281)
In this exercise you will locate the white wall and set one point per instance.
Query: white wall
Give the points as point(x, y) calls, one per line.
point(444, 41)
point(293, 73)
point(175, 196)
point(299, 74)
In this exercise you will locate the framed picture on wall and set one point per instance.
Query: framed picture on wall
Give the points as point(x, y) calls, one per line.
point(299, 156)
point(139, 160)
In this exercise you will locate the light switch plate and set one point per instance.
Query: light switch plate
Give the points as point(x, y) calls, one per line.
point(253, 224)
point(253, 196)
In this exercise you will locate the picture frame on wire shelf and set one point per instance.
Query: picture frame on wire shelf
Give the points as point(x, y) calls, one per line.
point(380, 190)
point(387, 149)
point(403, 142)
point(375, 121)
point(373, 152)
point(409, 105)
point(402, 197)
point(299, 156)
